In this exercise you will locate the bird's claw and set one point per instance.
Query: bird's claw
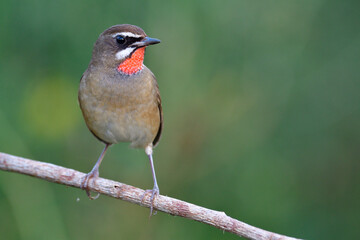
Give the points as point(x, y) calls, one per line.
point(85, 184)
point(154, 193)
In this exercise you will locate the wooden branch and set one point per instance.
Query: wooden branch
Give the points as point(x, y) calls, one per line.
point(70, 177)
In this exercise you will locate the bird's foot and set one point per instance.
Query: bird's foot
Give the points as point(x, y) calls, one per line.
point(154, 193)
point(85, 183)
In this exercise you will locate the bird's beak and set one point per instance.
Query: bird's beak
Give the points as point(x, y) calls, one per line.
point(146, 42)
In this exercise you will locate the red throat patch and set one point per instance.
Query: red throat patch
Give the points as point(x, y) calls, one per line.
point(134, 63)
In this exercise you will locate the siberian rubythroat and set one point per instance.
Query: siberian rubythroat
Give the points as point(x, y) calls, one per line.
point(119, 96)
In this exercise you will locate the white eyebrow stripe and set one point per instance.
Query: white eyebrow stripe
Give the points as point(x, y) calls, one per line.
point(124, 53)
point(127, 34)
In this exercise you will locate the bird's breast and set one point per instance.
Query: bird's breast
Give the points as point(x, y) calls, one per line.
point(120, 108)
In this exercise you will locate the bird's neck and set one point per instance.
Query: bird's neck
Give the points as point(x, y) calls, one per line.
point(134, 63)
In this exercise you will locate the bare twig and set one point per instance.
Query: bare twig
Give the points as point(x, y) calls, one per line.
point(70, 177)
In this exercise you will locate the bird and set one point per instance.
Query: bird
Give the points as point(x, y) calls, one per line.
point(119, 97)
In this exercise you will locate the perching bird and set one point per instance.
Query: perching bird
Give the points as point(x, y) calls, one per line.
point(119, 96)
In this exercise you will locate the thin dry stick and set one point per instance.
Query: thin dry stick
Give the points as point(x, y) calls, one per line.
point(70, 177)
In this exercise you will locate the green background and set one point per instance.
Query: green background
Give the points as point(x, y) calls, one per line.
point(261, 106)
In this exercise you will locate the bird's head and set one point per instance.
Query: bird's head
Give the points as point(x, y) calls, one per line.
point(122, 47)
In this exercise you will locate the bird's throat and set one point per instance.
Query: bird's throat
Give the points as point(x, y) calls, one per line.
point(134, 63)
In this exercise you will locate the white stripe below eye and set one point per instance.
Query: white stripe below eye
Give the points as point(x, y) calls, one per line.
point(127, 34)
point(120, 55)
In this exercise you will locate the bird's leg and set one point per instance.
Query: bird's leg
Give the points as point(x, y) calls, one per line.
point(94, 173)
point(155, 191)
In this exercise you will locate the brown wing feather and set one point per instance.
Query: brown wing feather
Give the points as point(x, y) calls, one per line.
point(158, 99)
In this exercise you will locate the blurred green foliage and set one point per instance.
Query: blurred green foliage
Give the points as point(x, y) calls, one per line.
point(262, 117)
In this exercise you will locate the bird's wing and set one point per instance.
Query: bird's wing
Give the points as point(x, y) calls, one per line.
point(158, 100)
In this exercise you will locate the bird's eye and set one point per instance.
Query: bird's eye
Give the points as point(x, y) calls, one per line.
point(120, 39)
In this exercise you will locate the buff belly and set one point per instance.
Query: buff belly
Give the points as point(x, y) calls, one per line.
point(113, 122)
point(121, 125)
